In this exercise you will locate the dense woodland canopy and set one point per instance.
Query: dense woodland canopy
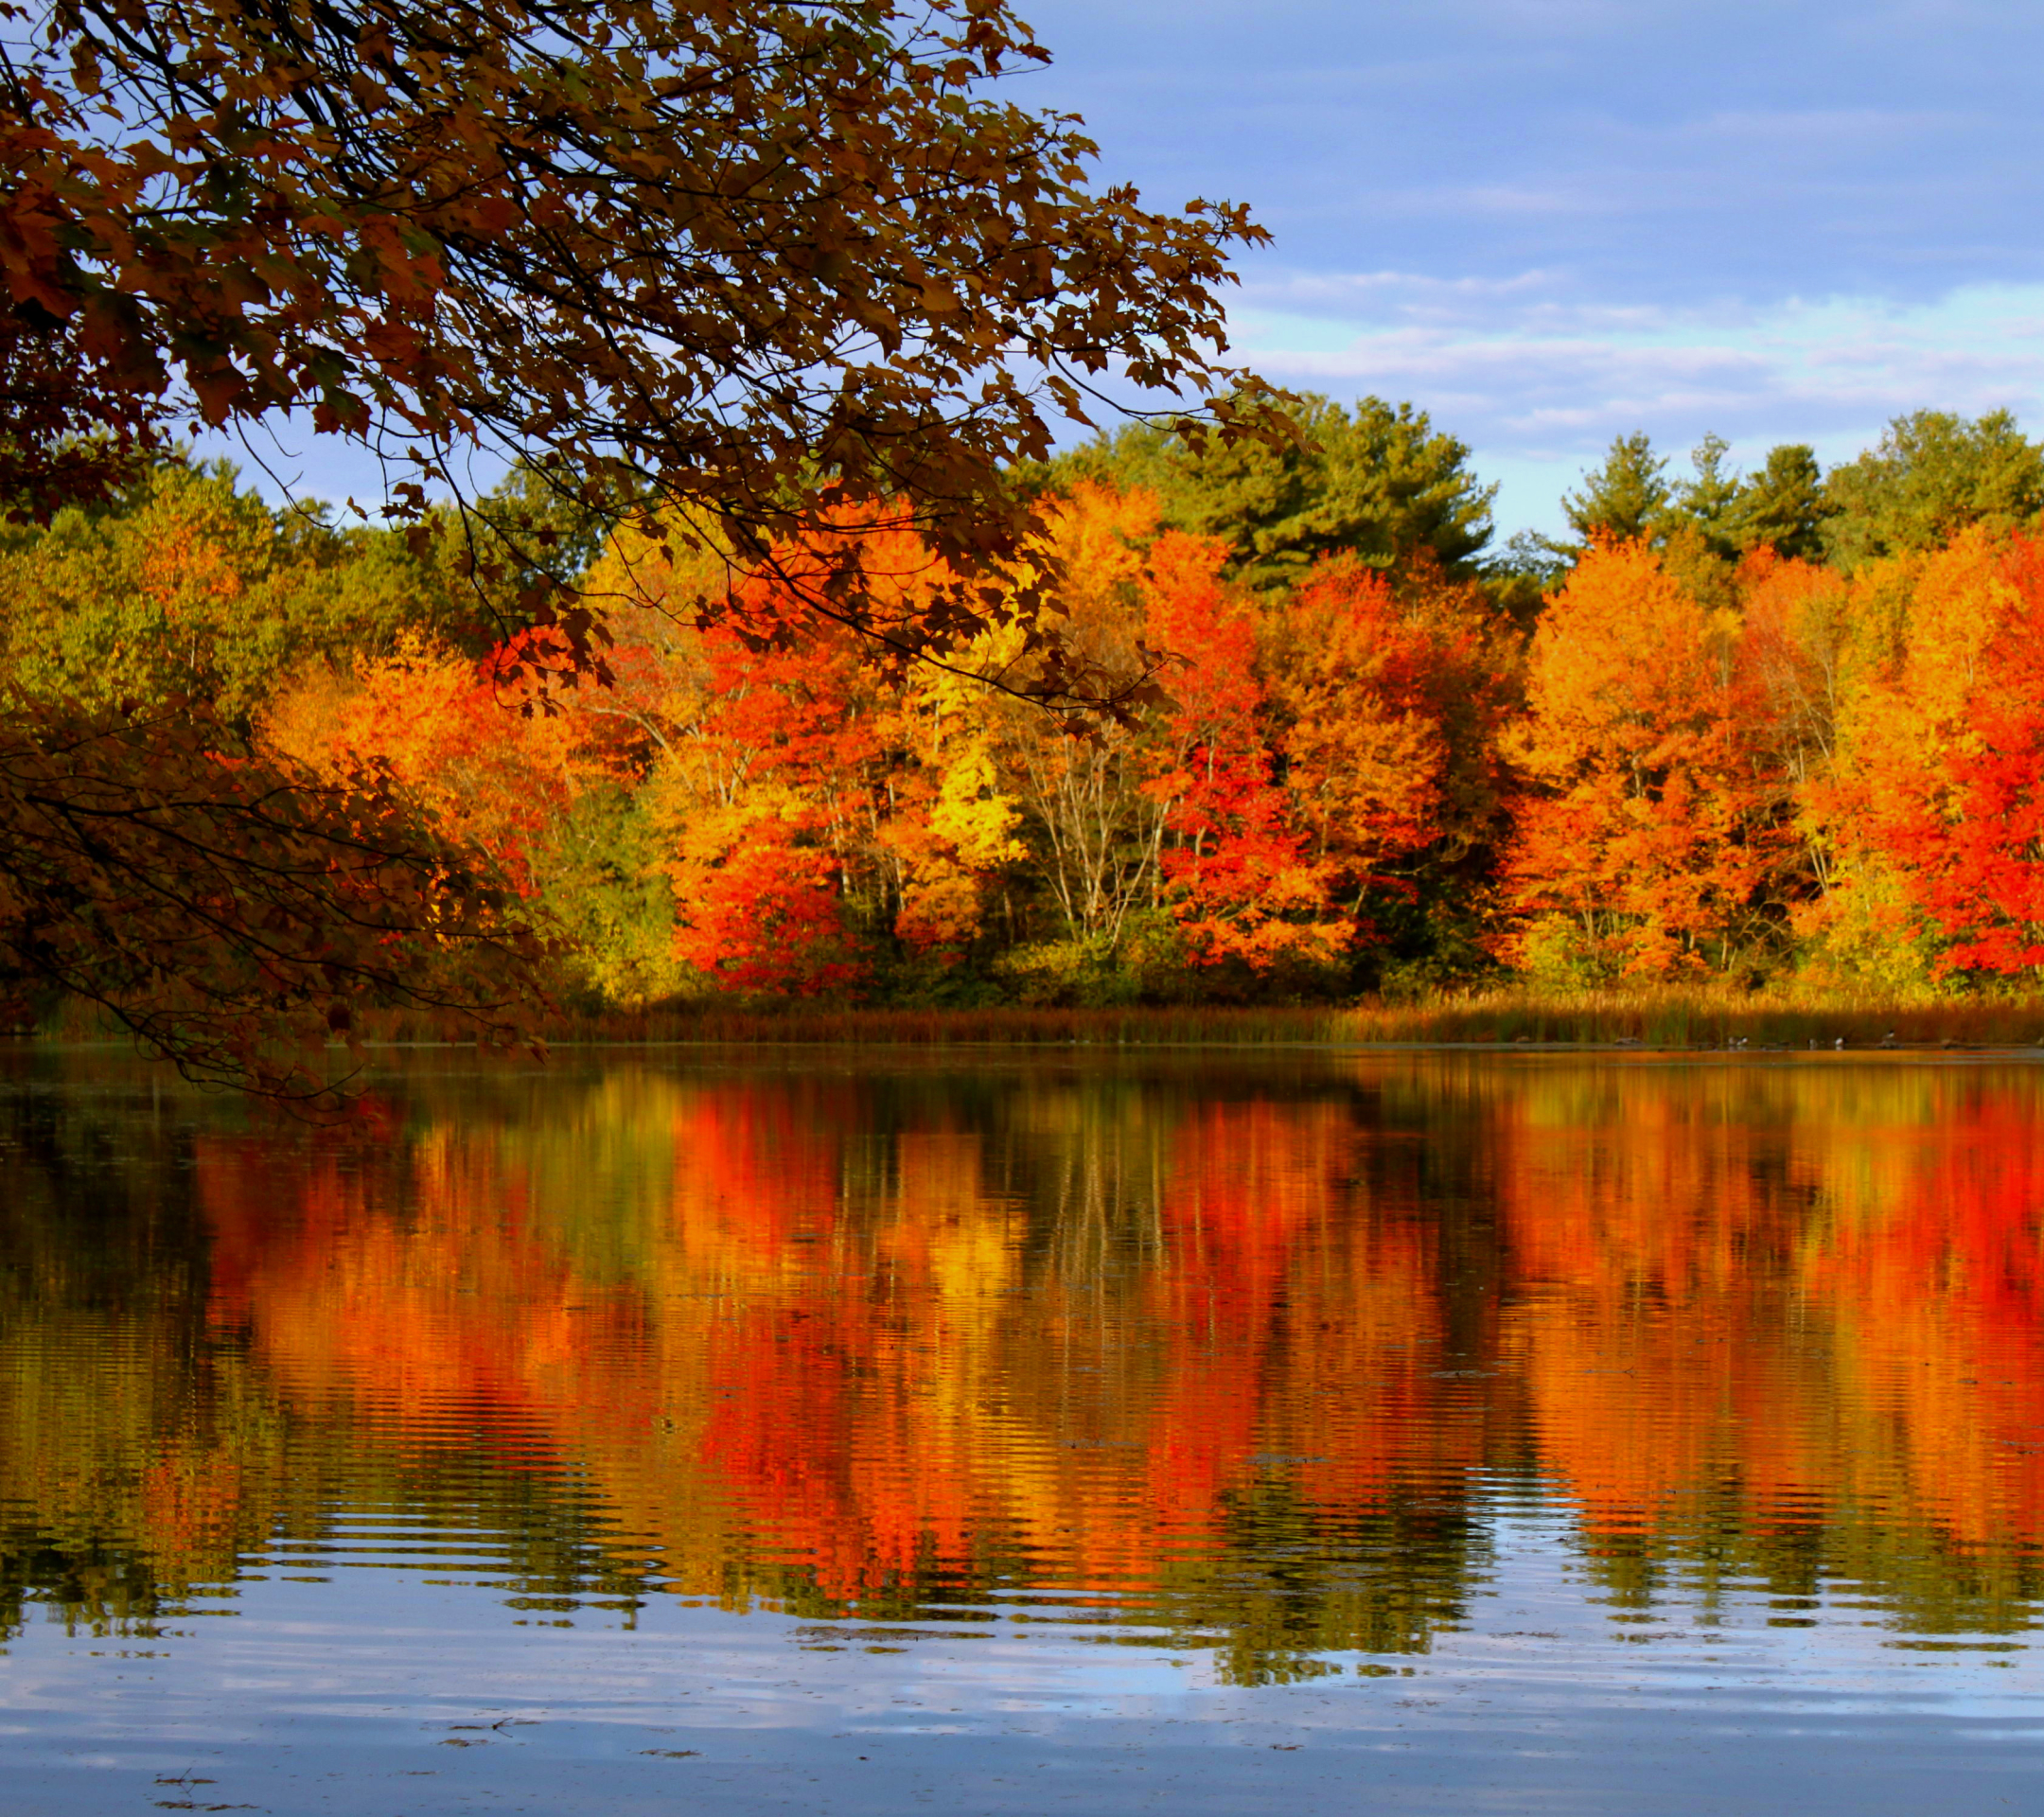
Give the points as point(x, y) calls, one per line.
point(1773, 725)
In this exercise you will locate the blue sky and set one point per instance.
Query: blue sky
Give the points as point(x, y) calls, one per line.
point(1551, 221)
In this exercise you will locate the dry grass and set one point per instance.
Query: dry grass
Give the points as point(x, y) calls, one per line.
point(1677, 1018)
point(1655, 1018)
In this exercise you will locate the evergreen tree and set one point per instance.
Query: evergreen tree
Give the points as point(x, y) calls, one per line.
point(1381, 484)
point(1783, 507)
point(1709, 500)
point(1627, 498)
point(1933, 474)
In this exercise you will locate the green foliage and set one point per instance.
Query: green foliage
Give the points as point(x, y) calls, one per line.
point(1519, 578)
point(1783, 507)
point(187, 590)
point(1710, 499)
point(607, 895)
point(1380, 483)
point(1725, 512)
point(1628, 496)
point(1934, 475)
point(1559, 955)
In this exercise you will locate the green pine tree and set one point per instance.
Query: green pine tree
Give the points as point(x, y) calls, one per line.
point(1933, 474)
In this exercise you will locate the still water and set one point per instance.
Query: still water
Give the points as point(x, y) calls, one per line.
point(1430, 1433)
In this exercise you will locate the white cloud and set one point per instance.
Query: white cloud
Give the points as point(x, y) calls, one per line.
point(1539, 382)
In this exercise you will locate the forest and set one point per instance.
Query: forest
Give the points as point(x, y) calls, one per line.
point(1778, 728)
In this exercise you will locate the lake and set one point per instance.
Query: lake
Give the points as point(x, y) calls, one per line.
point(854, 1432)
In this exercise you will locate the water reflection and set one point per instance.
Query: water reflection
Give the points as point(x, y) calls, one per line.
point(1254, 1360)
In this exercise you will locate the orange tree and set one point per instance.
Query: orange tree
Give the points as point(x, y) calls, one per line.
point(1653, 829)
point(1942, 753)
point(1240, 885)
point(1386, 695)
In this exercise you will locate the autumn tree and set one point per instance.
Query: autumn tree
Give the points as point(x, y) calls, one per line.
point(768, 797)
point(952, 831)
point(1239, 881)
point(443, 727)
point(1384, 700)
point(1938, 786)
point(1095, 829)
point(186, 589)
point(1652, 825)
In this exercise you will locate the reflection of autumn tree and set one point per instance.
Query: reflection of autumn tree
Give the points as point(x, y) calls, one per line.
point(1220, 1354)
point(844, 1376)
point(1931, 1274)
point(143, 1458)
point(127, 1485)
point(1788, 1322)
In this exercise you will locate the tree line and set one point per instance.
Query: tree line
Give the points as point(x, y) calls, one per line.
point(1785, 724)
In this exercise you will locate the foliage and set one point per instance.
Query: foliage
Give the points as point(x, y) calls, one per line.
point(1719, 511)
point(1380, 483)
point(191, 591)
point(1238, 881)
point(1625, 498)
point(234, 915)
point(1708, 759)
point(1653, 826)
point(1934, 475)
point(1783, 507)
point(1945, 792)
point(737, 267)
point(1385, 706)
point(1709, 500)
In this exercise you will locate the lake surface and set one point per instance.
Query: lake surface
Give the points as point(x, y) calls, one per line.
point(1429, 1433)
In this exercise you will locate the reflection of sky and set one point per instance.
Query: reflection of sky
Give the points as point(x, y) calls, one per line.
point(1550, 221)
point(341, 1695)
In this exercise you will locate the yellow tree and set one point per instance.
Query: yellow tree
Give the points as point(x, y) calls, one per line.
point(1098, 829)
point(952, 823)
point(1936, 808)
